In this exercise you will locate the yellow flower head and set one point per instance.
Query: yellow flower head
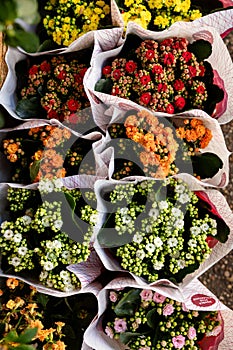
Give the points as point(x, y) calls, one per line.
point(155, 4)
point(10, 304)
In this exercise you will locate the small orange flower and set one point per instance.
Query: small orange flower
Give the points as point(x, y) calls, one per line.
point(12, 158)
point(57, 161)
point(10, 304)
point(61, 173)
point(12, 283)
point(12, 148)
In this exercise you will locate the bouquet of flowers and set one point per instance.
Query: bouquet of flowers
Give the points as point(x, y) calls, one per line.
point(158, 147)
point(138, 318)
point(38, 150)
point(62, 22)
point(30, 319)
point(160, 229)
point(49, 228)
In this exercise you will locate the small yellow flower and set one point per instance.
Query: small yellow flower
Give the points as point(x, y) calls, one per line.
point(100, 3)
point(161, 21)
point(169, 3)
point(195, 14)
point(155, 4)
point(10, 304)
point(129, 3)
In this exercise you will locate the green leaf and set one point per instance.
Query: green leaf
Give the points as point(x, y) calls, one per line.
point(104, 85)
point(206, 165)
point(223, 230)
point(47, 45)
point(28, 108)
point(126, 306)
point(71, 200)
point(34, 168)
point(12, 336)
point(126, 337)
point(27, 10)
point(42, 299)
point(17, 36)
point(27, 335)
point(8, 11)
point(152, 318)
point(202, 49)
point(23, 347)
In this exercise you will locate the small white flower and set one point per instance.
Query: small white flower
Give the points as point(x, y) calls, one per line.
point(195, 230)
point(15, 261)
point(65, 254)
point(58, 224)
point(69, 288)
point(172, 242)
point(137, 238)
point(49, 244)
point(56, 244)
point(154, 213)
point(48, 265)
point(184, 198)
point(126, 219)
point(180, 188)
point(66, 280)
point(46, 186)
point(175, 255)
point(177, 213)
point(26, 220)
point(17, 238)
point(8, 234)
point(158, 242)
point(140, 254)
point(179, 224)
point(204, 227)
point(150, 247)
point(64, 274)
point(94, 218)
point(214, 232)
point(22, 251)
point(148, 228)
point(58, 184)
point(213, 223)
point(124, 211)
point(163, 205)
point(192, 243)
point(158, 265)
point(181, 263)
point(46, 221)
point(43, 275)
point(49, 283)
point(4, 224)
point(189, 256)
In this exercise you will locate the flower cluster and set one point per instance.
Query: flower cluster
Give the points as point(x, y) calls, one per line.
point(163, 76)
point(43, 236)
point(55, 87)
point(160, 229)
point(146, 320)
point(158, 14)
point(156, 147)
point(31, 319)
point(66, 21)
point(47, 152)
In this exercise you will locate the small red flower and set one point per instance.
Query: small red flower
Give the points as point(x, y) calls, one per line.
point(169, 59)
point(202, 70)
point(73, 118)
point(167, 42)
point(170, 108)
point(73, 105)
point(33, 70)
point(145, 79)
point(106, 70)
point(187, 56)
point(162, 87)
point(115, 91)
point(116, 74)
point(45, 66)
point(192, 71)
point(83, 71)
point(150, 54)
point(62, 75)
point(78, 78)
point(200, 89)
point(145, 98)
point(157, 69)
point(180, 102)
point(130, 66)
point(178, 85)
point(52, 114)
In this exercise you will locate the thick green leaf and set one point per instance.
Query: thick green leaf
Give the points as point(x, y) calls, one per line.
point(27, 336)
point(223, 230)
point(71, 200)
point(202, 49)
point(22, 347)
point(34, 168)
point(47, 45)
point(126, 306)
point(206, 165)
point(42, 299)
point(127, 336)
point(8, 11)
point(28, 108)
point(152, 318)
point(27, 10)
point(19, 37)
point(104, 85)
point(12, 336)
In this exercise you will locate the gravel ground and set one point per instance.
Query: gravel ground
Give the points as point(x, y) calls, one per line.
point(219, 279)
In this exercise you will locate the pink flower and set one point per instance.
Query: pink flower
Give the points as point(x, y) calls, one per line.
point(168, 310)
point(192, 333)
point(108, 330)
point(120, 325)
point(158, 298)
point(146, 294)
point(113, 296)
point(184, 308)
point(178, 341)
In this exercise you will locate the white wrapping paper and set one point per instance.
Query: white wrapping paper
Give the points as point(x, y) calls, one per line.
point(218, 252)
point(219, 59)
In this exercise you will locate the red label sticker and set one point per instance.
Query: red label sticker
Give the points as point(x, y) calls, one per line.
point(202, 300)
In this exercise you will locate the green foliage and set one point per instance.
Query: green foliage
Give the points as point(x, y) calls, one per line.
point(126, 305)
point(202, 49)
point(206, 165)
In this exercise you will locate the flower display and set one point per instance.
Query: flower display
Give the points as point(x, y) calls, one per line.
point(31, 319)
point(52, 88)
point(66, 21)
point(162, 146)
point(159, 229)
point(47, 152)
point(165, 76)
point(44, 234)
point(147, 320)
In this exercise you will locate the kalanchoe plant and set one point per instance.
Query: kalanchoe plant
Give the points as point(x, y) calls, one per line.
point(46, 152)
point(30, 319)
point(169, 76)
point(52, 87)
point(47, 230)
point(160, 147)
point(159, 229)
point(146, 320)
